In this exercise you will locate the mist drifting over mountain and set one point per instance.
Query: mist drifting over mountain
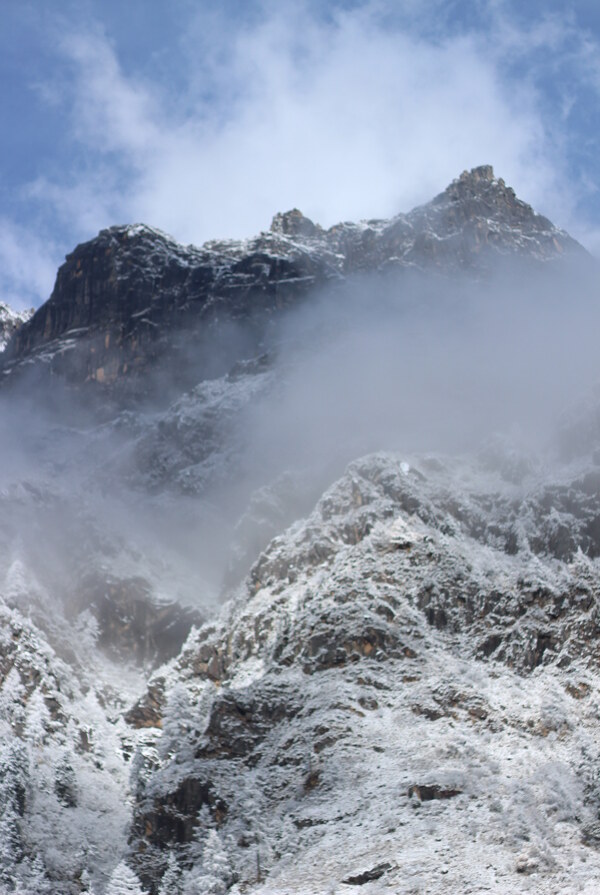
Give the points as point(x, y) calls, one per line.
point(299, 560)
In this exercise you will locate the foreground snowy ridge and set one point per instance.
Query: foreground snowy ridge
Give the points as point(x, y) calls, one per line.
point(345, 726)
point(342, 724)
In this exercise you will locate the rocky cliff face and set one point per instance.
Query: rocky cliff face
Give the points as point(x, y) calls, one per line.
point(133, 296)
point(392, 683)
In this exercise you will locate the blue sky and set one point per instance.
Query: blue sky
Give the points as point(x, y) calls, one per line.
point(205, 119)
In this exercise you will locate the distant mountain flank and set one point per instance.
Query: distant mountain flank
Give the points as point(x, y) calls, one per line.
point(10, 322)
point(133, 295)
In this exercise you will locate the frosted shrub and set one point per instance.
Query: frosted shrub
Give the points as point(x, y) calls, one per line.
point(123, 881)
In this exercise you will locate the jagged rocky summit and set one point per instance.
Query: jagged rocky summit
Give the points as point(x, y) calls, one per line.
point(395, 686)
point(133, 296)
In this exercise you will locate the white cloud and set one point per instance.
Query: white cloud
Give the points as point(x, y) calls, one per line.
point(110, 111)
point(27, 265)
point(356, 116)
point(344, 120)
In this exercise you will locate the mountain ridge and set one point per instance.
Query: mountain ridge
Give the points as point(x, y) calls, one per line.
point(133, 296)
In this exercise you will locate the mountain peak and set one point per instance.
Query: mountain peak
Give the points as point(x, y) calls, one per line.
point(479, 201)
point(482, 172)
point(479, 181)
point(293, 223)
point(123, 299)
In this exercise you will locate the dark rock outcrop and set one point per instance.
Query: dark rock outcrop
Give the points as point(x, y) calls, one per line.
point(133, 296)
point(132, 624)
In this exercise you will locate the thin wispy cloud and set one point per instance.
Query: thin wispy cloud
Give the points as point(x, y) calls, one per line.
point(344, 119)
point(365, 112)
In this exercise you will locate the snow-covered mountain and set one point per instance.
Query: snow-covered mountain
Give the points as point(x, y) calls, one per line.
point(10, 322)
point(133, 296)
point(236, 658)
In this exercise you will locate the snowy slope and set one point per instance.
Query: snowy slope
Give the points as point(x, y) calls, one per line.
point(402, 694)
point(387, 696)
